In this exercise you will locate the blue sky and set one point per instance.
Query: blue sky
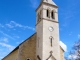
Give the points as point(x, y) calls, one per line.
point(18, 19)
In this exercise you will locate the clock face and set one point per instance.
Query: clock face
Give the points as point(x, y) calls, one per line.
point(51, 28)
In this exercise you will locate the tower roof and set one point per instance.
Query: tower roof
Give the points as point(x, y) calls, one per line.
point(49, 1)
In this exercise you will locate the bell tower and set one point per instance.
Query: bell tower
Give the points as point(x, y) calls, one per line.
point(47, 28)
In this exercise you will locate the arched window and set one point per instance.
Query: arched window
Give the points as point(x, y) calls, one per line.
point(28, 59)
point(47, 13)
point(52, 15)
point(40, 13)
point(38, 17)
point(51, 40)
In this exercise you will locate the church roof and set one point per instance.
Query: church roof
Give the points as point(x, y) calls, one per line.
point(51, 3)
point(19, 45)
point(63, 46)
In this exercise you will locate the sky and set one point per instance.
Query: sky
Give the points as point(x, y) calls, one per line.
point(18, 20)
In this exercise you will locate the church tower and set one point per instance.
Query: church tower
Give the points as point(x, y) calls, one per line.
point(47, 28)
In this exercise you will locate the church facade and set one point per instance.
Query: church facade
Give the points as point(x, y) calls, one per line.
point(44, 44)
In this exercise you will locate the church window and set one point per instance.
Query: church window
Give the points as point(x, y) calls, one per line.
point(51, 40)
point(40, 14)
point(38, 17)
point(52, 15)
point(47, 13)
point(28, 58)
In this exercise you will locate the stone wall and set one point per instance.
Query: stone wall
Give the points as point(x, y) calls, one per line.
point(61, 54)
point(12, 56)
point(28, 49)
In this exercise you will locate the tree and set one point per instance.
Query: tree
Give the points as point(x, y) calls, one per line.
point(75, 52)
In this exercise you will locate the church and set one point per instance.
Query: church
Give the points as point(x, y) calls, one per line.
point(44, 44)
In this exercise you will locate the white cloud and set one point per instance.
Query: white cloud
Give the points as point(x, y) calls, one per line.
point(34, 3)
point(29, 28)
point(6, 34)
point(72, 56)
point(63, 46)
point(10, 47)
point(16, 24)
point(9, 25)
point(4, 39)
point(13, 24)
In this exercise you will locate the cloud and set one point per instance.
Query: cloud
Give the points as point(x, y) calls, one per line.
point(10, 26)
point(4, 39)
point(5, 49)
point(16, 24)
point(63, 46)
point(34, 3)
point(27, 27)
point(10, 47)
point(72, 56)
point(13, 24)
point(6, 35)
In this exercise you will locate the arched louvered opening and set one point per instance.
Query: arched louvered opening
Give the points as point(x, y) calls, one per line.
point(40, 14)
point(52, 15)
point(38, 17)
point(47, 13)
